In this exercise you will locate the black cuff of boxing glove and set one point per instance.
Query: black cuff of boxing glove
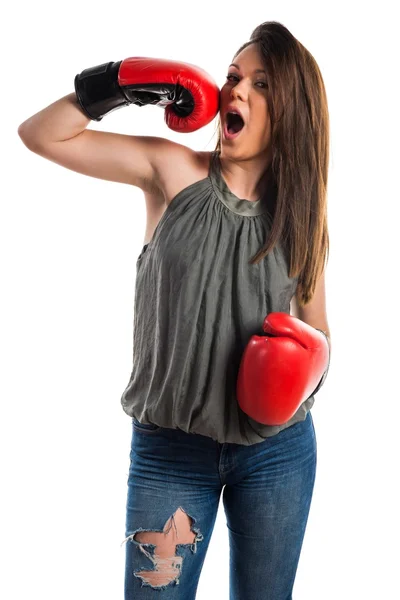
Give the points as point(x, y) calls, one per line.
point(98, 91)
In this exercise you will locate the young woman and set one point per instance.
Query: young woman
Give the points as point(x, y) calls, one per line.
point(232, 235)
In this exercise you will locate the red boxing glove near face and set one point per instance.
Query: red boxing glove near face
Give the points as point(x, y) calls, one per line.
point(188, 94)
point(280, 370)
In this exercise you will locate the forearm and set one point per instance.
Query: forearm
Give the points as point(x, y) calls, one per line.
point(59, 121)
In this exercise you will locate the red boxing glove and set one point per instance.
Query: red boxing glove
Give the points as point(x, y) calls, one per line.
point(188, 94)
point(280, 370)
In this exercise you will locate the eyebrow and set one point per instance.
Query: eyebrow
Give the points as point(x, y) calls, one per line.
point(255, 70)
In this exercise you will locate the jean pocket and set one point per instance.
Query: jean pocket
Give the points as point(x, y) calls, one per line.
point(145, 427)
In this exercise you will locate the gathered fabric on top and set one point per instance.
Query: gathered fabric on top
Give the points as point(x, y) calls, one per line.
point(197, 303)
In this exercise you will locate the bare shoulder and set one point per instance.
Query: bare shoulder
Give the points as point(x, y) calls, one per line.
point(176, 170)
point(179, 168)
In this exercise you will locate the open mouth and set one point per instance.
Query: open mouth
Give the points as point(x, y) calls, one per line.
point(234, 123)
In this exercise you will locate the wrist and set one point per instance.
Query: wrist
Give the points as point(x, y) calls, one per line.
point(97, 90)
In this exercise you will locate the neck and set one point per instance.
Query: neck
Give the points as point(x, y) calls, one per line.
point(248, 178)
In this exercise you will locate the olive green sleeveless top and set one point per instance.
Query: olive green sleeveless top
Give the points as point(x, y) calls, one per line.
point(197, 303)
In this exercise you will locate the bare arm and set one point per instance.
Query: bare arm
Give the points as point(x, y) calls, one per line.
point(62, 120)
point(58, 133)
point(314, 313)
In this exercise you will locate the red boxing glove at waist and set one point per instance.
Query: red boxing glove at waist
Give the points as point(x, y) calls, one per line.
point(280, 370)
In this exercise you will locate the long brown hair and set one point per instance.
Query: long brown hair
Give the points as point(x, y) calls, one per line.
point(298, 170)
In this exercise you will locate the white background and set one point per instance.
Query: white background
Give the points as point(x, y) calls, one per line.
point(68, 249)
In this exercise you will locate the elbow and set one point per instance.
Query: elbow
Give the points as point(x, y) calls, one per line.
point(27, 140)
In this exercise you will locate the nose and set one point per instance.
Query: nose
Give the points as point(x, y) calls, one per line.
point(240, 90)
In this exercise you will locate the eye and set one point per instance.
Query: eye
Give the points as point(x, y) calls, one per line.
point(263, 83)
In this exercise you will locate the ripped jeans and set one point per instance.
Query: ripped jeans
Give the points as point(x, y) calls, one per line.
point(174, 486)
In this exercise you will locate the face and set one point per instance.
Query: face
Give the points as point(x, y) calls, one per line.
point(246, 90)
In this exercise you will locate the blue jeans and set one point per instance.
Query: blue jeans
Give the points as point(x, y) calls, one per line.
point(174, 486)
